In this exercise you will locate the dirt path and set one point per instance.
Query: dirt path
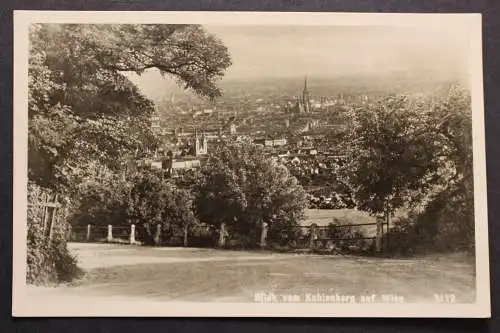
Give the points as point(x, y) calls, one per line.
point(208, 275)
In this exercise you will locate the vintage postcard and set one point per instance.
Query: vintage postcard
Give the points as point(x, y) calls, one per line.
point(249, 164)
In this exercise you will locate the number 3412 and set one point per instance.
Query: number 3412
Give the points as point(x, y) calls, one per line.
point(444, 298)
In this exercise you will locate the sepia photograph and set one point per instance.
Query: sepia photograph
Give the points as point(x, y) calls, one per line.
point(249, 164)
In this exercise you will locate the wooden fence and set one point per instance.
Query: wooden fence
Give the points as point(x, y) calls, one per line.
point(337, 237)
point(311, 237)
point(46, 215)
point(125, 234)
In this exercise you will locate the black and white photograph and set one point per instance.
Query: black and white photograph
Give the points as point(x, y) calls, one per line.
point(249, 164)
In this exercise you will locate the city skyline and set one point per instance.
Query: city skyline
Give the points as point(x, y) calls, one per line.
point(332, 52)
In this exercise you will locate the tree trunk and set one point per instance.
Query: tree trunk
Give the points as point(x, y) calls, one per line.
point(89, 232)
point(69, 233)
point(263, 234)
point(53, 218)
point(312, 239)
point(109, 236)
point(146, 235)
point(388, 222)
point(380, 232)
point(222, 235)
point(185, 235)
point(158, 235)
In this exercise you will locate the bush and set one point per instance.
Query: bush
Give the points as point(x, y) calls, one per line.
point(347, 239)
point(48, 260)
point(404, 238)
point(285, 234)
point(203, 235)
point(101, 202)
point(445, 225)
point(157, 201)
point(239, 189)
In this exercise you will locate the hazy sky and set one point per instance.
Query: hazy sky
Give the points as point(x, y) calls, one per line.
point(337, 51)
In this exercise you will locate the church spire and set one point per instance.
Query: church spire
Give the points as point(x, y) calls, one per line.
point(305, 96)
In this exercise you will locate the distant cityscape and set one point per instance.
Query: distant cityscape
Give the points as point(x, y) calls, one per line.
point(288, 126)
point(302, 131)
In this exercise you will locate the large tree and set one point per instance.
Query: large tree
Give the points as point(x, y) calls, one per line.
point(391, 157)
point(155, 201)
point(449, 213)
point(414, 152)
point(83, 107)
point(101, 201)
point(243, 191)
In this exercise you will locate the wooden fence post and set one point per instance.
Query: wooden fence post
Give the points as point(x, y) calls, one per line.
point(263, 234)
point(222, 235)
point(388, 222)
point(68, 233)
point(89, 232)
point(158, 235)
point(45, 211)
point(52, 222)
point(110, 233)
point(380, 232)
point(185, 241)
point(312, 241)
point(132, 234)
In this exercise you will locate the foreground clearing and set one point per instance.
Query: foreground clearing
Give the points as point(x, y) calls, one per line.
point(209, 275)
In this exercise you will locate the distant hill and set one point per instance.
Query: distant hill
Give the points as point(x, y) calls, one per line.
point(392, 83)
point(176, 105)
point(395, 83)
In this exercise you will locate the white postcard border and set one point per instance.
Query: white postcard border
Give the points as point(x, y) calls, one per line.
point(22, 306)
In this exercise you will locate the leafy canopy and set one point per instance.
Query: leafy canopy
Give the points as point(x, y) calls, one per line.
point(82, 106)
point(404, 149)
point(242, 188)
point(156, 201)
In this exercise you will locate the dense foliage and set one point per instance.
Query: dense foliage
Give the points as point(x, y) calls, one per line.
point(391, 157)
point(47, 261)
point(89, 124)
point(82, 106)
point(240, 189)
point(87, 119)
point(417, 154)
point(101, 201)
point(155, 201)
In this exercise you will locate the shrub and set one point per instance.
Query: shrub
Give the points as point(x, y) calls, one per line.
point(48, 260)
point(157, 201)
point(203, 235)
point(101, 201)
point(446, 224)
point(285, 233)
point(239, 189)
point(404, 238)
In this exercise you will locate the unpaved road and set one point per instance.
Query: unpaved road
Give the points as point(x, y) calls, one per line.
point(209, 275)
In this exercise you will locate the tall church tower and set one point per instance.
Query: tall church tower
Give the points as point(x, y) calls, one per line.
point(200, 144)
point(232, 129)
point(155, 122)
point(305, 97)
